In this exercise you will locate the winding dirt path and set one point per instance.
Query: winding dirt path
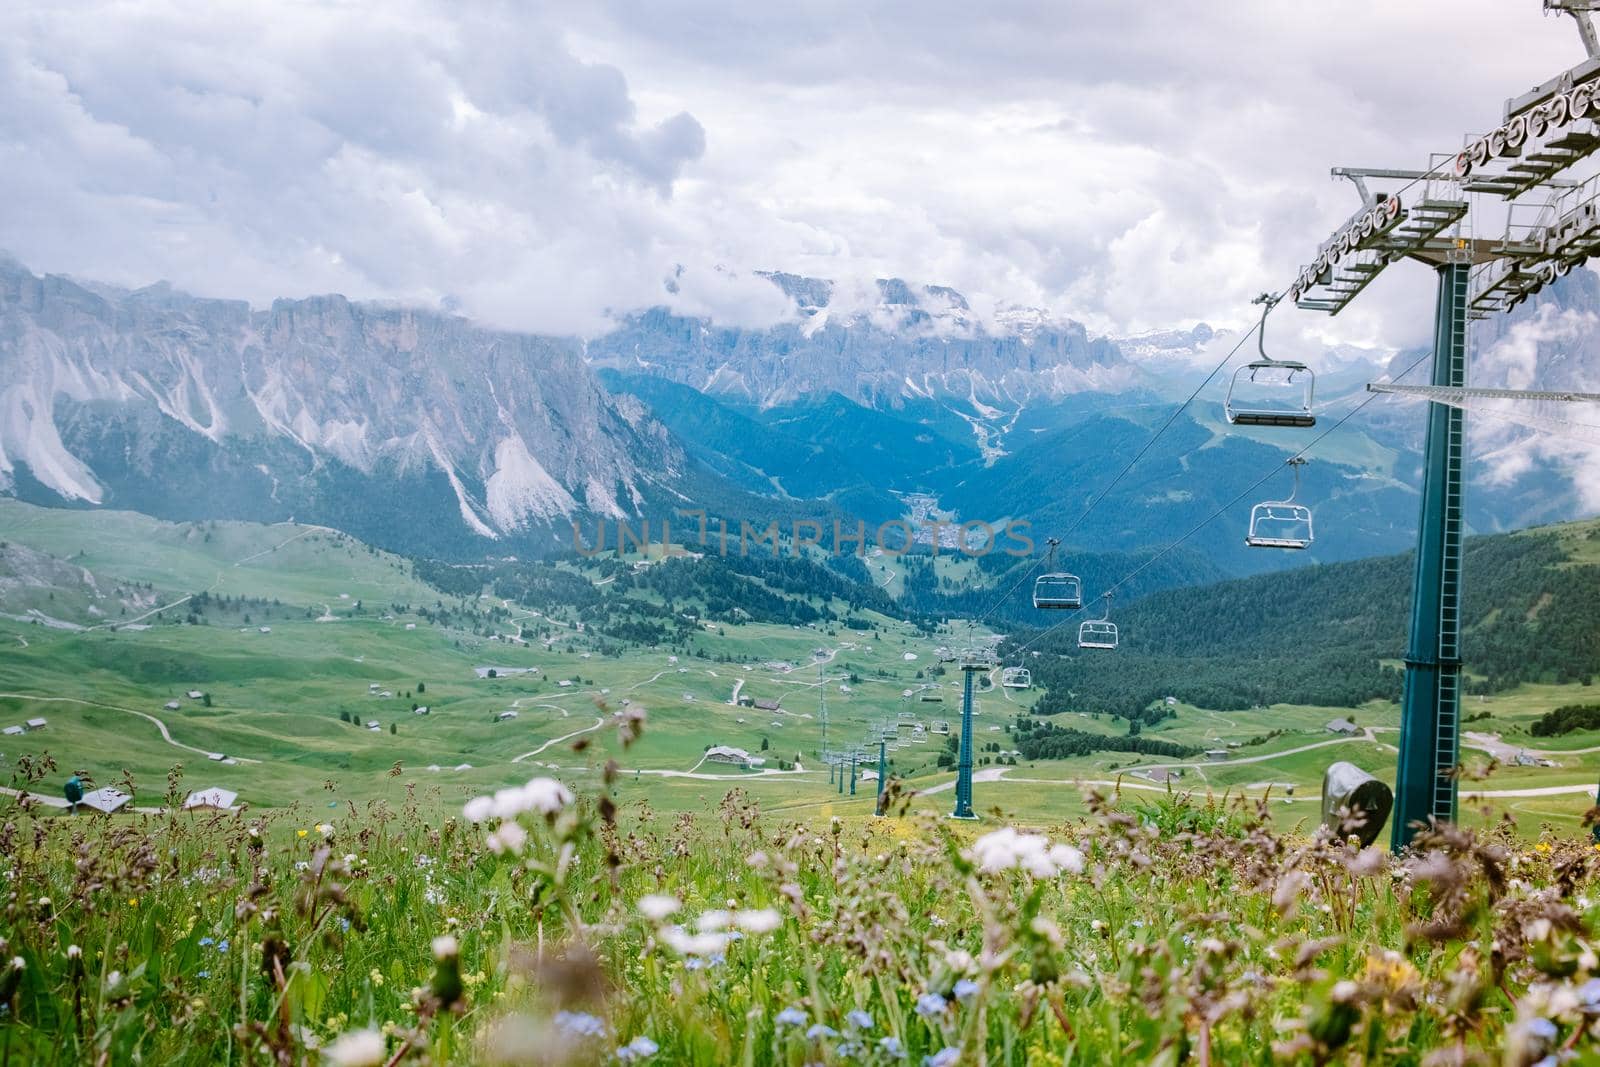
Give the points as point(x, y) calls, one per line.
point(599, 721)
point(166, 735)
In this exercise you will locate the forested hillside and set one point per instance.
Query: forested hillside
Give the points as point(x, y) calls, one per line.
point(1333, 634)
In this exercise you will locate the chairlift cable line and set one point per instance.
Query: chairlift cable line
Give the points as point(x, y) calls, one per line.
point(1165, 426)
point(1276, 469)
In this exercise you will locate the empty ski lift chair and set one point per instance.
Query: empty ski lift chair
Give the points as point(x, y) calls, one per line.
point(1016, 678)
point(1098, 633)
point(1267, 391)
point(1057, 590)
point(1281, 523)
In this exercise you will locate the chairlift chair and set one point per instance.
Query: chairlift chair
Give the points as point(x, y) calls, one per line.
point(1267, 391)
point(977, 658)
point(1016, 678)
point(1098, 633)
point(1057, 590)
point(1281, 523)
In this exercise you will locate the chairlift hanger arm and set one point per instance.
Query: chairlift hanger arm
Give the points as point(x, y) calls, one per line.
point(1268, 301)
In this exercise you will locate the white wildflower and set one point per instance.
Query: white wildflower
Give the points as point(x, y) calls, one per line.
point(478, 809)
point(359, 1048)
point(1003, 850)
point(715, 919)
point(508, 837)
point(1047, 929)
point(762, 921)
point(446, 947)
point(509, 802)
point(546, 795)
point(658, 906)
point(686, 944)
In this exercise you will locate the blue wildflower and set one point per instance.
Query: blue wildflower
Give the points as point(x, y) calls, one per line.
point(966, 990)
point(344, 925)
point(820, 1031)
point(943, 1058)
point(931, 1005)
point(1589, 993)
point(891, 1047)
point(202, 974)
point(1542, 1028)
point(791, 1017)
point(640, 1048)
point(222, 946)
point(207, 941)
point(700, 963)
point(850, 1049)
point(580, 1023)
point(859, 1019)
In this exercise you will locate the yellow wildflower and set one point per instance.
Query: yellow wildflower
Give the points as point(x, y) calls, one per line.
point(300, 833)
point(376, 976)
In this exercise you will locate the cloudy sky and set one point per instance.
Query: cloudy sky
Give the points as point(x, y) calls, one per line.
point(542, 166)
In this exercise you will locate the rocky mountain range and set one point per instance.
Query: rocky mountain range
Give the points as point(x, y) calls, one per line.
point(423, 432)
point(156, 400)
point(879, 348)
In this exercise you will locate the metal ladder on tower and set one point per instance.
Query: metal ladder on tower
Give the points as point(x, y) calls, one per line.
point(1447, 741)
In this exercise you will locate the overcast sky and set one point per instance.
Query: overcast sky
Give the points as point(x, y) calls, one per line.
point(1131, 165)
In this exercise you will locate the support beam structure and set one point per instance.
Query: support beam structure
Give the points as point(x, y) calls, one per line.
point(1430, 717)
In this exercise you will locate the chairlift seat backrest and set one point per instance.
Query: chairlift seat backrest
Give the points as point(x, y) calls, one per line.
point(1270, 392)
point(1097, 633)
point(1016, 678)
point(1280, 524)
point(1058, 592)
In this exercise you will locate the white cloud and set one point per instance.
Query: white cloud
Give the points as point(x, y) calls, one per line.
point(1509, 438)
point(1133, 166)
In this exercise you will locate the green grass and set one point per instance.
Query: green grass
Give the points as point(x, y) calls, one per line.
point(232, 938)
point(302, 565)
point(277, 697)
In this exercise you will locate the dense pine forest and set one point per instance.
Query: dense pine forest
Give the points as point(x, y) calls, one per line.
point(1332, 635)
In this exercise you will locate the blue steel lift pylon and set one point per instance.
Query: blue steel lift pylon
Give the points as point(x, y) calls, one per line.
point(971, 663)
point(1430, 716)
point(1544, 133)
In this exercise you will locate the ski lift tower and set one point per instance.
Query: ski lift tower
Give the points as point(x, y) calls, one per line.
point(1551, 224)
point(883, 771)
point(822, 707)
point(972, 660)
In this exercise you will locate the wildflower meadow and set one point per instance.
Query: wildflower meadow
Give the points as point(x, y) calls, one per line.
point(535, 926)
